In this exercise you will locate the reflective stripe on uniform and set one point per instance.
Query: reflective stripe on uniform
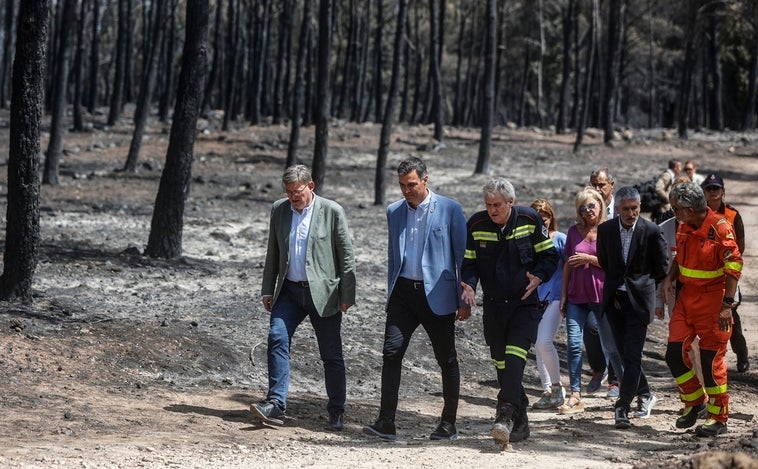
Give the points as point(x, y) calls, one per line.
point(685, 377)
point(520, 231)
point(469, 254)
point(735, 266)
point(696, 273)
point(484, 236)
point(718, 389)
point(499, 364)
point(693, 396)
point(516, 351)
point(544, 245)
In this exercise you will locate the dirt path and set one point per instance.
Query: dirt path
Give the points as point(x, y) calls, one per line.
point(124, 361)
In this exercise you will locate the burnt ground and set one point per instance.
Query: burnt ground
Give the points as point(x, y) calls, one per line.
point(127, 361)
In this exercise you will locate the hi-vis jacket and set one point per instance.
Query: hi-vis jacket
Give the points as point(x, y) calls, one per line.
point(500, 259)
point(707, 254)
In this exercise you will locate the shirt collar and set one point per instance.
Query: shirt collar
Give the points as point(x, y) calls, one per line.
point(424, 205)
point(623, 228)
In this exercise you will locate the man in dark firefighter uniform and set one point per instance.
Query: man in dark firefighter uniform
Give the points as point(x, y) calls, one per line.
point(509, 251)
point(708, 265)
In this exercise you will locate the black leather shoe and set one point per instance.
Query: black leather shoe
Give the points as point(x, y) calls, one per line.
point(384, 428)
point(336, 421)
point(622, 417)
point(268, 412)
point(743, 365)
point(689, 416)
point(444, 431)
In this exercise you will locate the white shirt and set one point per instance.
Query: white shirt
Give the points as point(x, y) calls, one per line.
point(610, 209)
point(299, 228)
point(415, 231)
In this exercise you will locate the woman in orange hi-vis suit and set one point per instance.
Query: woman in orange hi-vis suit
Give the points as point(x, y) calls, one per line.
point(708, 264)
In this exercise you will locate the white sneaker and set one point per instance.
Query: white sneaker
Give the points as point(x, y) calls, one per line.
point(645, 406)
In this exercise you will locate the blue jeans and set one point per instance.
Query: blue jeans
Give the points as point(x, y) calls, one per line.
point(577, 316)
point(292, 306)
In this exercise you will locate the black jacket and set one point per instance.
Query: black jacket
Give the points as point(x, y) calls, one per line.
point(500, 259)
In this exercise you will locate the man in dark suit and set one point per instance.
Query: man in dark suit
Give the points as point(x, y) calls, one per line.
point(309, 272)
point(634, 256)
point(427, 240)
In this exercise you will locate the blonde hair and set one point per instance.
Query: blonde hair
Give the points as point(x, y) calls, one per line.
point(542, 205)
point(584, 196)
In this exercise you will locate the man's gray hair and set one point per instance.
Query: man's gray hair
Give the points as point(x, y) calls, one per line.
point(499, 186)
point(626, 193)
point(296, 173)
point(689, 194)
point(412, 164)
point(597, 172)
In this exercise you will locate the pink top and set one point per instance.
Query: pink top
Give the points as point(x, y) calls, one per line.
point(585, 283)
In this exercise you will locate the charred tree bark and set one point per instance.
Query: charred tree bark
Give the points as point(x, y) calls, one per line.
point(591, 46)
point(94, 59)
point(438, 108)
point(378, 61)
point(117, 93)
point(297, 101)
point(60, 81)
point(79, 68)
point(562, 121)
point(282, 59)
point(260, 64)
point(458, 98)
point(129, 60)
point(748, 122)
point(216, 61)
point(146, 88)
point(488, 107)
point(389, 112)
point(685, 83)
point(717, 79)
point(323, 96)
point(611, 68)
point(167, 91)
point(165, 240)
point(22, 237)
point(233, 57)
point(7, 53)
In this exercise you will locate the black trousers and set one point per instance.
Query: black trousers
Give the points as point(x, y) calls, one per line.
point(408, 309)
point(629, 331)
point(510, 329)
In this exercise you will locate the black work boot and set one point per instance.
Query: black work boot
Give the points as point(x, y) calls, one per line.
point(520, 430)
point(503, 427)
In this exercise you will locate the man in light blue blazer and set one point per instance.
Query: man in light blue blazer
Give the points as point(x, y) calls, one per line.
point(309, 272)
point(427, 240)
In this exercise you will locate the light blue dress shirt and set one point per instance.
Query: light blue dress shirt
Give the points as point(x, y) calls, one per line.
point(301, 224)
point(415, 235)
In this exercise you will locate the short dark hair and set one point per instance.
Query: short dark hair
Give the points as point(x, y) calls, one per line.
point(412, 164)
point(674, 162)
point(605, 171)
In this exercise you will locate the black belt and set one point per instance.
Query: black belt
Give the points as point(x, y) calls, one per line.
point(300, 284)
point(414, 284)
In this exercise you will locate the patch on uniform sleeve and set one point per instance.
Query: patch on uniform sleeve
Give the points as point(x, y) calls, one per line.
point(727, 254)
point(711, 233)
point(729, 235)
point(544, 231)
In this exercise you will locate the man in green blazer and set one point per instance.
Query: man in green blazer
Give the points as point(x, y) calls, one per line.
point(309, 272)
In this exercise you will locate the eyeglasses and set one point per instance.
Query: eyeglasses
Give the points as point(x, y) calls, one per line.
point(589, 206)
point(296, 192)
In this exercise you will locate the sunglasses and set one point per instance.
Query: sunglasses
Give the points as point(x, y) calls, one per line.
point(589, 206)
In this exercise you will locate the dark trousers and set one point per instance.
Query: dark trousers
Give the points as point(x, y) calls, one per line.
point(737, 341)
point(407, 309)
point(292, 306)
point(510, 329)
point(629, 330)
point(595, 355)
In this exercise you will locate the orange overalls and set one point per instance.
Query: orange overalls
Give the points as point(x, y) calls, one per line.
point(704, 256)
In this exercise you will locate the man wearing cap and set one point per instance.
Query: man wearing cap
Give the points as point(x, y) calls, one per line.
point(714, 190)
point(663, 187)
